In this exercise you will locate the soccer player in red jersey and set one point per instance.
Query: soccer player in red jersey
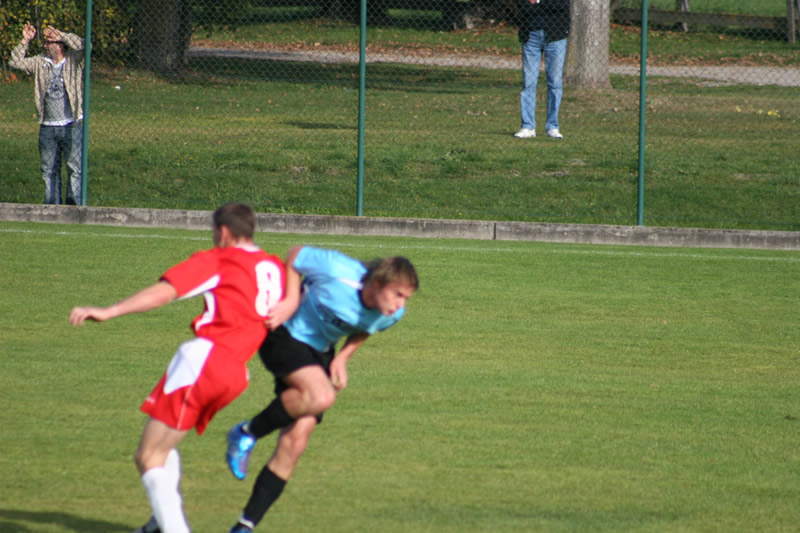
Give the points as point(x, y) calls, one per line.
point(240, 283)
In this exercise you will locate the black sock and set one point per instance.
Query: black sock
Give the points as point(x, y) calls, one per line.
point(270, 419)
point(267, 489)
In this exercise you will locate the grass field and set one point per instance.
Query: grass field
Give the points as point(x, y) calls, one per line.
point(531, 387)
point(438, 145)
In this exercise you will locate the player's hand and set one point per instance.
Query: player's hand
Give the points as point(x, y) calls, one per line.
point(339, 375)
point(28, 32)
point(79, 315)
point(282, 312)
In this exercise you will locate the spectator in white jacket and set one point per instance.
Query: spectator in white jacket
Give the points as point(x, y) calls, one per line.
point(58, 94)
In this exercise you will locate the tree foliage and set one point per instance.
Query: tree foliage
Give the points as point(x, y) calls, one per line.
point(112, 25)
point(153, 34)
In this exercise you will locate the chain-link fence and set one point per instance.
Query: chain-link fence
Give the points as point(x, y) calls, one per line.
point(196, 102)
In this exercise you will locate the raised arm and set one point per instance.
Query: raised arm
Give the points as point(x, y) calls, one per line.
point(72, 41)
point(147, 299)
point(28, 32)
point(19, 59)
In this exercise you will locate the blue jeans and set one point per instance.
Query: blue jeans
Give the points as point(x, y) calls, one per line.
point(55, 143)
point(554, 54)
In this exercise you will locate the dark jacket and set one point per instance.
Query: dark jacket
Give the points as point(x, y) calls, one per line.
point(552, 16)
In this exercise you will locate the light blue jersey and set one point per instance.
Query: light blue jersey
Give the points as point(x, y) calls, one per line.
point(331, 306)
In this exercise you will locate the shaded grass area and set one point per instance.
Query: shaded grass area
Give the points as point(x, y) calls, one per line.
point(769, 9)
point(704, 46)
point(700, 46)
point(531, 387)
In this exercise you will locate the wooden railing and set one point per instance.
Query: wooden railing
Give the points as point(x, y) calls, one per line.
point(685, 18)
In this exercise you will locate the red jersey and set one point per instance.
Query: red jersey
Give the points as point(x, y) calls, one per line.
point(240, 286)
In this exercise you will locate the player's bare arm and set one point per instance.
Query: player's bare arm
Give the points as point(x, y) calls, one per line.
point(147, 299)
point(339, 376)
point(285, 308)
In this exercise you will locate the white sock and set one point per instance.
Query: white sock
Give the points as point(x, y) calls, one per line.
point(173, 467)
point(165, 500)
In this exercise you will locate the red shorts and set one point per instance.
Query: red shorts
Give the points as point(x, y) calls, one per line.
point(200, 380)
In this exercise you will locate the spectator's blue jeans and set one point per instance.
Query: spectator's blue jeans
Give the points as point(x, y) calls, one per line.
point(554, 54)
point(55, 143)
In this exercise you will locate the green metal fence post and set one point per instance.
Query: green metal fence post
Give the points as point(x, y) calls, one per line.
point(87, 87)
point(642, 113)
point(362, 84)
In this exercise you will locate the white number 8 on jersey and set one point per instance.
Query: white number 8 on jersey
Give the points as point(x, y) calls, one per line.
point(270, 287)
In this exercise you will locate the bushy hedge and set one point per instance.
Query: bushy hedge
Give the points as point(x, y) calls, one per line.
point(112, 25)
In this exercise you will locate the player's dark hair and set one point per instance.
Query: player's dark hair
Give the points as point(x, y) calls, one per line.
point(391, 269)
point(239, 218)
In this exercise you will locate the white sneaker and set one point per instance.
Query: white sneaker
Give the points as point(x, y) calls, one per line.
point(554, 134)
point(525, 133)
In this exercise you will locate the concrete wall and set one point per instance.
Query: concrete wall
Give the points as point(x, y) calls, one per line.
point(413, 227)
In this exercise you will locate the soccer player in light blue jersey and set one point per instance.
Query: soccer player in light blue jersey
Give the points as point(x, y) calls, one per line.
point(329, 296)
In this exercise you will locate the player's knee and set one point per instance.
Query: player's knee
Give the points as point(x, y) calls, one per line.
point(317, 397)
point(322, 399)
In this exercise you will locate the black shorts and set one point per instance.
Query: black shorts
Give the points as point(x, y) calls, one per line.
point(282, 354)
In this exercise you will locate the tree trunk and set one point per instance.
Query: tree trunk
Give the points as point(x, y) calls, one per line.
point(347, 10)
point(162, 34)
point(587, 47)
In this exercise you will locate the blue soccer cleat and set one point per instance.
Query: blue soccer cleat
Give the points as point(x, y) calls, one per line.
point(240, 446)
